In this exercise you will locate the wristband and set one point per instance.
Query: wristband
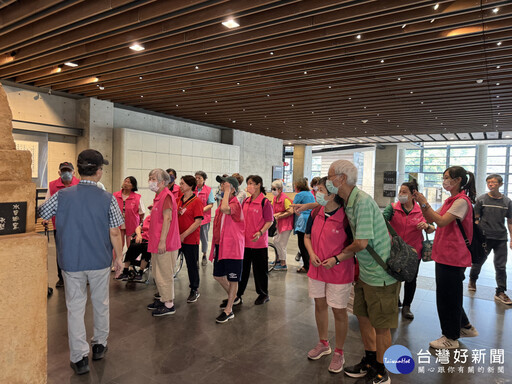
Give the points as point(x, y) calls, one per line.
point(337, 260)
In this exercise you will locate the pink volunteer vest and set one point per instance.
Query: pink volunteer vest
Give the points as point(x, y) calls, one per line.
point(405, 225)
point(203, 195)
point(131, 210)
point(449, 247)
point(172, 242)
point(285, 224)
point(57, 185)
point(253, 214)
point(232, 236)
point(328, 238)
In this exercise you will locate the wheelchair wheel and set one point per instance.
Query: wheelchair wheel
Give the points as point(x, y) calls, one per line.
point(179, 263)
point(272, 257)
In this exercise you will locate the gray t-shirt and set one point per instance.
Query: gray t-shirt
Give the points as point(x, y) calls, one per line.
point(492, 214)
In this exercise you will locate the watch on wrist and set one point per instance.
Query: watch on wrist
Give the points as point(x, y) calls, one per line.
point(337, 260)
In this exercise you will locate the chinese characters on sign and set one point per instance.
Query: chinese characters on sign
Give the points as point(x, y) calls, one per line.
point(13, 217)
point(389, 186)
point(481, 360)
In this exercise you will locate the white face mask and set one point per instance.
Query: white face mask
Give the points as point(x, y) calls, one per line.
point(153, 186)
point(403, 199)
point(331, 187)
point(447, 184)
point(275, 193)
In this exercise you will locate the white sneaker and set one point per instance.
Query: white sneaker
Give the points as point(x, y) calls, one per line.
point(471, 332)
point(444, 343)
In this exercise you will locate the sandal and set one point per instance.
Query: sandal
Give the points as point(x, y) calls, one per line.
point(302, 270)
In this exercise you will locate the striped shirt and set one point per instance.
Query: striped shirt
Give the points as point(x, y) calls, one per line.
point(367, 223)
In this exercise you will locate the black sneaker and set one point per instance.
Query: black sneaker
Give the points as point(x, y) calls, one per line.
point(81, 366)
point(156, 296)
point(262, 299)
point(358, 370)
point(204, 262)
point(155, 305)
point(164, 311)
point(122, 276)
point(59, 284)
point(238, 301)
point(224, 317)
point(98, 351)
point(194, 295)
point(377, 378)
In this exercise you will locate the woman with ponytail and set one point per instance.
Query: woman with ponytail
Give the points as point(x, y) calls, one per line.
point(407, 220)
point(451, 254)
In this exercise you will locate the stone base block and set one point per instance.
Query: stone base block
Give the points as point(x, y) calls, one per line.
point(23, 331)
point(14, 191)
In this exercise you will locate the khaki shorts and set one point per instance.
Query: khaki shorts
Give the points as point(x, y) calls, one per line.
point(379, 304)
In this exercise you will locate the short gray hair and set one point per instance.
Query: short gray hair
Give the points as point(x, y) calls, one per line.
point(277, 184)
point(345, 167)
point(161, 175)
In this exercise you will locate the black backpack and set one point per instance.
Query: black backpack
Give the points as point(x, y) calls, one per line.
point(478, 245)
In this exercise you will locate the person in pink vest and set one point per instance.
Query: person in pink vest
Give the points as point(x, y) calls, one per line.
point(67, 179)
point(451, 254)
point(283, 214)
point(164, 242)
point(258, 216)
point(131, 206)
point(407, 220)
point(329, 279)
point(173, 187)
point(228, 242)
point(205, 194)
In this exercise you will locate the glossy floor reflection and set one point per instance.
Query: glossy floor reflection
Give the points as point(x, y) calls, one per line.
point(263, 344)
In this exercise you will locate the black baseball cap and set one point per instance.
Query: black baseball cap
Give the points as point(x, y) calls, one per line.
point(91, 157)
point(230, 179)
point(66, 165)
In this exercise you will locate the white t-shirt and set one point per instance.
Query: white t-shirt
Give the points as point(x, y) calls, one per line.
point(459, 209)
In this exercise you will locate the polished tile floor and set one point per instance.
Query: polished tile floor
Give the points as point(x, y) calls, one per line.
point(268, 343)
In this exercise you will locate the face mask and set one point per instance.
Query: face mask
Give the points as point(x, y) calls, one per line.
point(222, 194)
point(320, 199)
point(172, 179)
point(275, 193)
point(251, 189)
point(153, 186)
point(66, 176)
point(330, 187)
point(403, 199)
point(315, 189)
point(447, 184)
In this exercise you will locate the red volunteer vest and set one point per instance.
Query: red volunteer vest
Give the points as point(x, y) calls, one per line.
point(449, 247)
point(285, 224)
point(172, 242)
point(57, 185)
point(232, 236)
point(328, 238)
point(131, 210)
point(405, 225)
point(203, 195)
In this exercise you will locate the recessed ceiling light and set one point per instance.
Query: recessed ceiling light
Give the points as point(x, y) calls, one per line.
point(196, 67)
point(140, 77)
point(95, 79)
point(436, 7)
point(141, 95)
point(497, 97)
point(498, 43)
point(216, 101)
point(182, 90)
point(497, 83)
point(485, 125)
point(312, 112)
point(136, 47)
point(177, 105)
point(507, 136)
point(399, 79)
point(364, 121)
point(432, 20)
point(271, 53)
point(403, 26)
point(358, 37)
point(71, 64)
point(268, 95)
point(479, 81)
point(230, 23)
point(101, 88)
point(323, 142)
point(350, 98)
point(251, 126)
point(330, 87)
point(495, 10)
point(58, 69)
point(422, 102)
point(293, 105)
point(498, 66)
point(289, 143)
point(411, 92)
point(206, 113)
point(305, 72)
point(382, 61)
point(234, 121)
point(237, 83)
point(243, 110)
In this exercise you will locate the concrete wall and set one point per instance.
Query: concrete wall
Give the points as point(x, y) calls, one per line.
point(385, 160)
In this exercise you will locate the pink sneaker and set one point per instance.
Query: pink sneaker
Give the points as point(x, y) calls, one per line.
point(336, 363)
point(319, 351)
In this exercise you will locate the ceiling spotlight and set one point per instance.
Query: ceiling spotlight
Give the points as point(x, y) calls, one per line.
point(497, 83)
point(497, 97)
point(485, 125)
point(95, 79)
point(498, 66)
point(431, 21)
point(479, 81)
point(141, 96)
point(206, 113)
point(411, 92)
point(196, 67)
point(140, 77)
point(234, 121)
point(102, 88)
point(136, 47)
point(350, 98)
point(58, 69)
point(268, 95)
point(403, 26)
point(498, 43)
point(271, 53)
point(364, 121)
point(436, 7)
point(330, 87)
point(382, 61)
point(71, 64)
point(289, 143)
point(495, 10)
point(230, 23)
point(177, 105)
point(305, 72)
point(237, 83)
point(358, 37)
point(182, 90)
point(399, 79)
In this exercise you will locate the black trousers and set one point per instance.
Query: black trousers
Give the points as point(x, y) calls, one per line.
point(449, 299)
point(303, 251)
point(59, 271)
point(258, 257)
point(191, 252)
point(134, 250)
point(410, 289)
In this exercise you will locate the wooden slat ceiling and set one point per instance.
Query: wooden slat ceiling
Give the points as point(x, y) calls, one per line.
point(307, 71)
